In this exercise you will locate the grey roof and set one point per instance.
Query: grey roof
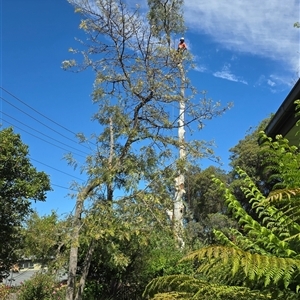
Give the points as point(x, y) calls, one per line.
point(15, 279)
point(284, 119)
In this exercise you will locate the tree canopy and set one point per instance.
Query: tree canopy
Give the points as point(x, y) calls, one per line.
point(46, 239)
point(137, 90)
point(20, 183)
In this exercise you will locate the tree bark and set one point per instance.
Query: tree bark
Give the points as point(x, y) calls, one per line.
point(85, 271)
point(73, 260)
point(179, 181)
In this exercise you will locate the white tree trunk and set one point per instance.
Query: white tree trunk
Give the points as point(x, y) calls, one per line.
point(178, 207)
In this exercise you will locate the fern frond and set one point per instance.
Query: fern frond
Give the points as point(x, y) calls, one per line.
point(159, 289)
point(269, 270)
point(275, 224)
point(281, 161)
point(206, 291)
point(293, 237)
point(247, 244)
point(172, 296)
point(212, 292)
point(223, 239)
point(182, 283)
point(279, 195)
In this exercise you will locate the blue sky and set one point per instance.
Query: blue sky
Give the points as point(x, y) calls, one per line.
point(246, 52)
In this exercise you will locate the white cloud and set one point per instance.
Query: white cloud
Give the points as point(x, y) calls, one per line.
point(226, 73)
point(276, 83)
point(271, 83)
point(258, 27)
point(200, 68)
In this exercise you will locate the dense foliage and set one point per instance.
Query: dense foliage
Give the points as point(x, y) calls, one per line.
point(46, 239)
point(261, 259)
point(20, 183)
point(247, 156)
point(41, 287)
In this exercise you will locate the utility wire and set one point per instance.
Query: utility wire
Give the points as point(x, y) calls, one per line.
point(56, 169)
point(44, 163)
point(43, 133)
point(18, 99)
point(42, 139)
point(41, 122)
point(63, 187)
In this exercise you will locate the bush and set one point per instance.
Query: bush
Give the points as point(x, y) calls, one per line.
point(42, 287)
point(4, 291)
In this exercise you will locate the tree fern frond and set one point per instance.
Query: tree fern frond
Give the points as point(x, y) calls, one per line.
point(265, 237)
point(246, 244)
point(279, 195)
point(223, 239)
point(281, 161)
point(267, 269)
point(293, 237)
point(212, 292)
point(182, 283)
point(172, 296)
point(161, 289)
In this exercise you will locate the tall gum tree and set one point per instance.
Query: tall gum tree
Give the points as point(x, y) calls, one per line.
point(137, 87)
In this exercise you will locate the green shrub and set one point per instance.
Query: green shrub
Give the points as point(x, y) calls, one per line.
point(41, 287)
point(4, 291)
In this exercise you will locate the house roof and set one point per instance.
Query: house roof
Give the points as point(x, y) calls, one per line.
point(16, 279)
point(284, 120)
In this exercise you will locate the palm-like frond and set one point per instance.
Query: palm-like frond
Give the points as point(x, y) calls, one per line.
point(174, 283)
point(175, 286)
point(281, 161)
point(264, 237)
point(172, 296)
point(240, 241)
point(281, 194)
point(246, 266)
point(279, 220)
point(264, 254)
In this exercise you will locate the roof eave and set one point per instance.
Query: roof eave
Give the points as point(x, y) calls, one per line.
point(284, 119)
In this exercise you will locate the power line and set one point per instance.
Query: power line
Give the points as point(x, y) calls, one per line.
point(56, 169)
point(40, 122)
point(63, 187)
point(37, 111)
point(43, 133)
point(54, 122)
point(43, 139)
point(18, 99)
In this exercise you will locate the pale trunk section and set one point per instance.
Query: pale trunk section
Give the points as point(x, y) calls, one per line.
point(178, 207)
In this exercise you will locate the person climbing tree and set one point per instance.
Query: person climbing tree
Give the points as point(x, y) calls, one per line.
point(181, 45)
point(180, 50)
